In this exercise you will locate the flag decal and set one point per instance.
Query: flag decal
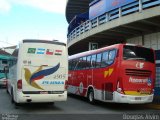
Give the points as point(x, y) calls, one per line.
point(31, 50)
point(40, 50)
point(58, 52)
point(49, 52)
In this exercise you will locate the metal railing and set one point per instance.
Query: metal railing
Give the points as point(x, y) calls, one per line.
point(137, 6)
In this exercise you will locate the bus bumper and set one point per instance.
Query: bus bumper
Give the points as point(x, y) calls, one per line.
point(121, 98)
point(40, 98)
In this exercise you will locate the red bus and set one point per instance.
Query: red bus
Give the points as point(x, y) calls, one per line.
point(121, 73)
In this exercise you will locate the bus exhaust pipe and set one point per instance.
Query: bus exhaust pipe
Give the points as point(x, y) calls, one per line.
point(29, 100)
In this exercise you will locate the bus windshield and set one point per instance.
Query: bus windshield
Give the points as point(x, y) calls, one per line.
point(138, 53)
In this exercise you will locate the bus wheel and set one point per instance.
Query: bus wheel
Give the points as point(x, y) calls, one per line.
point(15, 103)
point(91, 96)
point(50, 103)
point(7, 91)
point(12, 99)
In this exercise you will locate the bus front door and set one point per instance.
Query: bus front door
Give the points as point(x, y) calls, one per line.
point(90, 77)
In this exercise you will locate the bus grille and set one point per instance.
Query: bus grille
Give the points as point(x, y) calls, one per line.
point(141, 73)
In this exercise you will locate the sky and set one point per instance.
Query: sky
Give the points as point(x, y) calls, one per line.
point(32, 19)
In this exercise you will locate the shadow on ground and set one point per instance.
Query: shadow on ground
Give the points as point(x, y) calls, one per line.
point(115, 106)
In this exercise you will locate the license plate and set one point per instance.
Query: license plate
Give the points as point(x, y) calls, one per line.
point(44, 92)
point(137, 98)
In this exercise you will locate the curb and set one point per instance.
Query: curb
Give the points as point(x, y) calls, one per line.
point(154, 106)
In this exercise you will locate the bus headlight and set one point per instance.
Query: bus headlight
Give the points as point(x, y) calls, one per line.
point(152, 91)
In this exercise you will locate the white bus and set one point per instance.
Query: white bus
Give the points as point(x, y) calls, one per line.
point(39, 74)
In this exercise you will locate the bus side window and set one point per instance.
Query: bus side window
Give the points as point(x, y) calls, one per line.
point(75, 65)
point(104, 62)
point(112, 55)
point(70, 64)
point(88, 64)
point(79, 66)
point(93, 61)
point(98, 60)
point(84, 63)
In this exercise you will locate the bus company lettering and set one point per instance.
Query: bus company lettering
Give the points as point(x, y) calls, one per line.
point(52, 82)
point(140, 65)
point(136, 80)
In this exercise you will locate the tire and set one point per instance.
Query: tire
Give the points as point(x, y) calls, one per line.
point(91, 96)
point(12, 100)
point(12, 96)
point(17, 104)
point(7, 90)
point(50, 103)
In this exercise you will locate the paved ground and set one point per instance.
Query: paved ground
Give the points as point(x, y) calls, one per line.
point(74, 107)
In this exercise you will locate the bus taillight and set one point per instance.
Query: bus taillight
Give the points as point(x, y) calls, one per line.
point(119, 88)
point(19, 84)
point(65, 85)
point(152, 92)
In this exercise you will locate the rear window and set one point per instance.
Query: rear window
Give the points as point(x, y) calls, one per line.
point(138, 53)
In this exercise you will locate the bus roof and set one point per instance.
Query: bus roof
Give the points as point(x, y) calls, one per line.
point(94, 51)
point(42, 41)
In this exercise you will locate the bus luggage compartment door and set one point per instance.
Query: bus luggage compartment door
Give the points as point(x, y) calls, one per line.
point(108, 91)
point(89, 77)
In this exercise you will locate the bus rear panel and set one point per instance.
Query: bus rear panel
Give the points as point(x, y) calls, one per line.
point(41, 73)
point(136, 75)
